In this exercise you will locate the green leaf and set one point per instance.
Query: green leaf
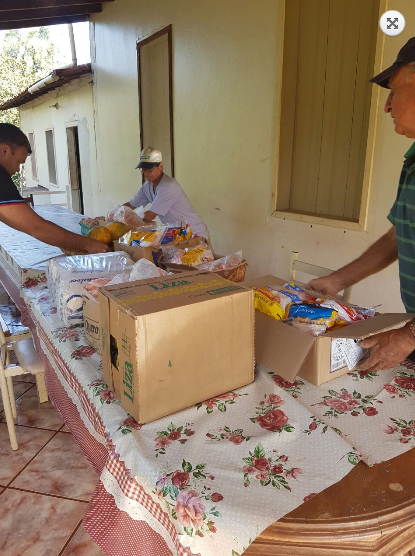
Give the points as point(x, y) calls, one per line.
point(357, 395)
point(197, 475)
point(238, 431)
point(186, 466)
point(253, 420)
point(172, 490)
point(216, 514)
point(265, 483)
point(222, 407)
point(234, 553)
point(171, 427)
point(188, 530)
point(227, 429)
point(353, 459)
point(259, 451)
point(288, 428)
point(174, 514)
point(179, 429)
point(162, 433)
point(209, 410)
point(201, 466)
point(333, 393)
point(198, 405)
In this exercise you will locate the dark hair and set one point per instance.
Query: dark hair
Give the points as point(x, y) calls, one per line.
point(14, 137)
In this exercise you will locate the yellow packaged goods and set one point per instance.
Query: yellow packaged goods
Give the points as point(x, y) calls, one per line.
point(265, 302)
point(101, 234)
point(194, 256)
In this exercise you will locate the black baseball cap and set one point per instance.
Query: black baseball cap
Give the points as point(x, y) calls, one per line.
point(406, 55)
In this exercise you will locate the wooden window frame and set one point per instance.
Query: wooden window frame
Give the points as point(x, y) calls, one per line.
point(165, 31)
point(374, 118)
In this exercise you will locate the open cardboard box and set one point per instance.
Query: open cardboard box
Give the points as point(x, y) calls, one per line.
point(173, 341)
point(153, 254)
point(288, 352)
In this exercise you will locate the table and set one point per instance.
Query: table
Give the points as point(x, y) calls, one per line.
point(131, 511)
point(23, 258)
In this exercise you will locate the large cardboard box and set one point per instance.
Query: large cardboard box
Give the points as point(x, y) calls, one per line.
point(91, 322)
point(173, 341)
point(288, 352)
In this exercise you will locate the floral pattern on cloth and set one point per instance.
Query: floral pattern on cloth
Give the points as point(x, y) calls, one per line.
point(270, 417)
point(344, 402)
point(225, 433)
point(34, 280)
point(269, 470)
point(241, 511)
point(293, 388)
point(403, 385)
point(83, 351)
point(363, 375)
point(105, 395)
point(405, 430)
point(189, 500)
point(65, 333)
point(165, 438)
point(220, 402)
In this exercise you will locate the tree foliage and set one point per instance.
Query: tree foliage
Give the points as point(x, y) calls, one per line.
point(25, 57)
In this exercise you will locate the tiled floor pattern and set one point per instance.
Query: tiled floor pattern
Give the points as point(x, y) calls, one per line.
point(45, 485)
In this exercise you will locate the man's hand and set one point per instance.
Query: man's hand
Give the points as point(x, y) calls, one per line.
point(391, 348)
point(329, 285)
point(93, 246)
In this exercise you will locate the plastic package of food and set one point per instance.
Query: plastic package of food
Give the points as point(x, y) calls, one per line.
point(92, 287)
point(194, 256)
point(230, 261)
point(307, 325)
point(172, 254)
point(129, 217)
point(144, 269)
point(265, 302)
point(346, 313)
point(314, 312)
point(67, 276)
point(111, 213)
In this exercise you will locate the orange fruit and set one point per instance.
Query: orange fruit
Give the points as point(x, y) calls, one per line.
point(117, 230)
point(101, 234)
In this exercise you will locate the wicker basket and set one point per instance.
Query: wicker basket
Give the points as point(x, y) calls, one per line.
point(235, 274)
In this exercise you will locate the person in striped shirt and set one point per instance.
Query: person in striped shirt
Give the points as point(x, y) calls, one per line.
point(398, 243)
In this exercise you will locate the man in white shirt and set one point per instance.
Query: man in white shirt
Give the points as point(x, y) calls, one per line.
point(168, 200)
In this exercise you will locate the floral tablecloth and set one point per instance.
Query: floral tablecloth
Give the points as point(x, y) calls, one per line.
point(208, 480)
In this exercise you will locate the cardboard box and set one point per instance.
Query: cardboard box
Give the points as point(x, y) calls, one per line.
point(288, 352)
point(180, 340)
point(91, 322)
point(153, 254)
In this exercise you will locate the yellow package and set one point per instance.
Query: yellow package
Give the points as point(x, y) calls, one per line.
point(266, 303)
point(194, 256)
point(183, 233)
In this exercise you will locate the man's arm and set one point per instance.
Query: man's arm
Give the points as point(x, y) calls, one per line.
point(21, 217)
point(379, 255)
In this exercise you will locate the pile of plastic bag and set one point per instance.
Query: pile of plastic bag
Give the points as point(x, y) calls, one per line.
point(310, 313)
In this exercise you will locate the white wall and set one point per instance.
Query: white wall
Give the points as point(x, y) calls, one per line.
point(225, 58)
point(75, 108)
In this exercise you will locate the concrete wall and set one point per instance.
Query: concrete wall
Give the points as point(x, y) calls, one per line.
point(75, 108)
point(225, 64)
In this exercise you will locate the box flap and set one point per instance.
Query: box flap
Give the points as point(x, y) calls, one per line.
point(279, 347)
point(268, 280)
point(375, 325)
point(168, 292)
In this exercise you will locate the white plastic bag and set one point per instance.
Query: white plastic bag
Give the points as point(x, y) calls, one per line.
point(67, 275)
point(111, 214)
point(128, 216)
point(144, 269)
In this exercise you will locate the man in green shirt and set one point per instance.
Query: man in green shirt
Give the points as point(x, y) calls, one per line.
point(399, 242)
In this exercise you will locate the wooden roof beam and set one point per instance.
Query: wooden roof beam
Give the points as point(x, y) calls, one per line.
point(43, 13)
point(42, 22)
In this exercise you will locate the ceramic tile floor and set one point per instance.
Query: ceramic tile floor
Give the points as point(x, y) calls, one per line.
point(45, 485)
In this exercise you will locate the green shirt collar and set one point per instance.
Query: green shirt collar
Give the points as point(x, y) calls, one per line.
point(410, 152)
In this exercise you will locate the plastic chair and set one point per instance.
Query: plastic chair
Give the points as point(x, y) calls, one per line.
point(313, 270)
point(28, 362)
